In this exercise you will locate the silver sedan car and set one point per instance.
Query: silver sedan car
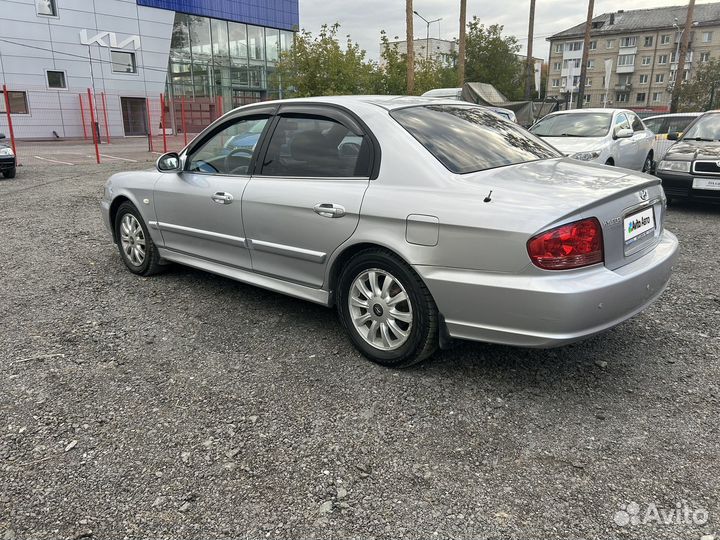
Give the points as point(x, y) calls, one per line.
point(419, 220)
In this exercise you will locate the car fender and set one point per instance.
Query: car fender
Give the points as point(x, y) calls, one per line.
point(140, 193)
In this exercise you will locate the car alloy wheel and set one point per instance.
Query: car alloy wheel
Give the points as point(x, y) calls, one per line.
point(380, 309)
point(132, 240)
point(647, 166)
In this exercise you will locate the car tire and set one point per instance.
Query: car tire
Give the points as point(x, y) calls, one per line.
point(391, 332)
point(648, 163)
point(10, 173)
point(137, 250)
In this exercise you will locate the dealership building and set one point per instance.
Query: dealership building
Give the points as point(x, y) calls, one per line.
point(218, 54)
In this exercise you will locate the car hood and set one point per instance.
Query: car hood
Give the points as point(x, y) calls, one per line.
point(540, 192)
point(690, 150)
point(572, 145)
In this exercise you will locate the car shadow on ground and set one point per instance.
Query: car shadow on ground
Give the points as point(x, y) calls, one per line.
point(601, 361)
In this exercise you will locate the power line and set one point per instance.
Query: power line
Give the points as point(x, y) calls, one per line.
point(82, 57)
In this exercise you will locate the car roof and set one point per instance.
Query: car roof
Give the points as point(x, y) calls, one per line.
point(386, 102)
point(673, 115)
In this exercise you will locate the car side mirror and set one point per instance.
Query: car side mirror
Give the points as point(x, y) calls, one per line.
point(673, 136)
point(169, 162)
point(623, 133)
point(2, 135)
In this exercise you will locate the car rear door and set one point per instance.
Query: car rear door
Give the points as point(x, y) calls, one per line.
point(199, 210)
point(305, 198)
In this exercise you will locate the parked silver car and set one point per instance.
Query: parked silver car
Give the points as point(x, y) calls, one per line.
point(610, 136)
point(419, 220)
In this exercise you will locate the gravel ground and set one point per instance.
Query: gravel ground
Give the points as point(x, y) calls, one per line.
point(187, 405)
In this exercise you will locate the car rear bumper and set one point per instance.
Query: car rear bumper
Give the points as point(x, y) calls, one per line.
point(7, 163)
point(680, 186)
point(552, 309)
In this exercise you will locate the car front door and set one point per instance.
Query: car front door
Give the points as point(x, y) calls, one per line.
point(199, 210)
point(305, 198)
point(626, 148)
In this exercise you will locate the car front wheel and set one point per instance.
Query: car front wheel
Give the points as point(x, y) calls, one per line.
point(386, 309)
point(648, 164)
point(136, 247)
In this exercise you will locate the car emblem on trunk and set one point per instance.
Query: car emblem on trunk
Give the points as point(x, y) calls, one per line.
point(644, 194)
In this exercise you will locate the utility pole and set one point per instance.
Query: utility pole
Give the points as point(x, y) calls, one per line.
point(410, 47)
point(461, 45)
point(529, 63)
point(680, 71)
point(585, 54)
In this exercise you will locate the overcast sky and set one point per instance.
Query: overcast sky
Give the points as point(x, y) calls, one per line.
point(364, 19)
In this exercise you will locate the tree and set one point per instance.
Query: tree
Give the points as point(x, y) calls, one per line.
point(701, 92)
point(492, 58)
point(317, 66)
point(428, 73)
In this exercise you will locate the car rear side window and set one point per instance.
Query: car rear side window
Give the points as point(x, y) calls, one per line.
point(316, 146)
point(467, 139)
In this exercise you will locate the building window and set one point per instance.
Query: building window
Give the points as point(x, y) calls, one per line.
point(648, 41)
point(556, 83)
point(588, 82)
point(657, 96)
point(591, 64)
point(626, 60)
point(123, 62)
point(576, 80)
point(621, 98)
point(625, 80)
point(662, 59)
point(564, 82)
point(56, 79)
point(660, 77)
point(593, 45)
point(643, 79)
point(707, 37)
point(646, 60)
point(628, 41)
point(640, 97)
point(46, 8)
point(557, 66)
point(610, 44)
point(704, 57)
point(558, 47)
point(665, 39)
point(18, 102)
point(256, 42)
point(574, 46)
point(587, 98)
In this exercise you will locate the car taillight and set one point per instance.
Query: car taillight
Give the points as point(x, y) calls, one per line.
point(568, 246)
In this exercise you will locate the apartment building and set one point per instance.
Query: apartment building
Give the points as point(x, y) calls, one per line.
point(440, 50)
point(640, 48)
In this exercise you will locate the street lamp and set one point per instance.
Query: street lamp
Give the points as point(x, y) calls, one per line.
point(427, 35)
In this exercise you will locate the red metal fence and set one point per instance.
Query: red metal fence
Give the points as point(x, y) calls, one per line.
point(82, 125)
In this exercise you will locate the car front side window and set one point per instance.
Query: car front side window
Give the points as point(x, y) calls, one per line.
point(316, 146)
point(229, 150)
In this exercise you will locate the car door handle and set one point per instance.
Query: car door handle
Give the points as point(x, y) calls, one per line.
point(222, 198)
point(329, 210)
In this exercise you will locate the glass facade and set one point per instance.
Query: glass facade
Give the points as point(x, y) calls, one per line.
point(213, 58)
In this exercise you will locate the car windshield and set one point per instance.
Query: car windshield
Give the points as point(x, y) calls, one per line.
point(706, 128)
point(466, 138)
point(573, 125)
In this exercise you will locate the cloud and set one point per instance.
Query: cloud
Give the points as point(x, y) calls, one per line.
point(365, 19)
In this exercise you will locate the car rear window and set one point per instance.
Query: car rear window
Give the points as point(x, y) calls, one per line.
point(467, 138)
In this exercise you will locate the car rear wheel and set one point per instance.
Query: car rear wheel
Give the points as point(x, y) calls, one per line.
point(136, 247)
point(386, 309)
point(10, 173)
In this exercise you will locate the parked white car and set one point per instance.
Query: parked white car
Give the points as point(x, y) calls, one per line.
point(610, 136)
point(664, 124)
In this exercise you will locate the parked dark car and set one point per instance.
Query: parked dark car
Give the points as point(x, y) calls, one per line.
point(691, 167)
point(8, 163)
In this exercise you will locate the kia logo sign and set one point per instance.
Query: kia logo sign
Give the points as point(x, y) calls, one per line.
point(112, 41)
